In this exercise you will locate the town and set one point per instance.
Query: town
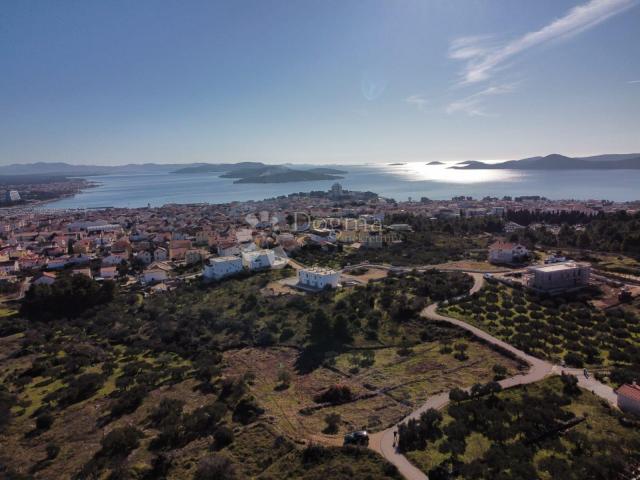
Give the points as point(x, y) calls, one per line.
point(497, 268)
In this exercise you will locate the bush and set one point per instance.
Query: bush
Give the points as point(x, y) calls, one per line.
point(335, 395)
point(333, 422)
point(129, 401)
point(215, 467)
point(168, 410)
point(44, 421)
point(120, 441)
point(247, 411)
point(223, 436)
point(52, 451)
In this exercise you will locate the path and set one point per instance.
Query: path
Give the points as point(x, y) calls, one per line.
point(382, 442)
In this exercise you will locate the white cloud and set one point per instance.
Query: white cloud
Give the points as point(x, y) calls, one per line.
point(473, 105)
point(633, 81)
point(417, 101)
point(483, 58)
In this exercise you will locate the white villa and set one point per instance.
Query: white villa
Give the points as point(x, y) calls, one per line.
point(318, 277)
point(259, 259)
point(221, 267)
point(503, 252)
point(559, 277)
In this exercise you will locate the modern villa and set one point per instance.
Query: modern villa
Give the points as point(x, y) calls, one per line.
point(318, 278)
point(559, 277)
point(221, 267)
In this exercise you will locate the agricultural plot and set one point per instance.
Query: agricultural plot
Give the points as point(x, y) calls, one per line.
point(548, 430)
point(561, 329)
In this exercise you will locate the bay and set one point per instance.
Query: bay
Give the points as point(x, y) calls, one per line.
point(398, 181)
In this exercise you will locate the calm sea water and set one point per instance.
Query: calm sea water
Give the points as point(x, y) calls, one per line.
point(411, 180)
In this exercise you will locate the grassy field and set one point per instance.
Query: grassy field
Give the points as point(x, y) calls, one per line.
point(589, 450)
point(392, 384)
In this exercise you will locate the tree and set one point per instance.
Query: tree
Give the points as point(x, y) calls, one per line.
point(319, 327)
point(341, 329)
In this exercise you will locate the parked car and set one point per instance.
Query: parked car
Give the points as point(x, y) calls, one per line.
point(357, 438)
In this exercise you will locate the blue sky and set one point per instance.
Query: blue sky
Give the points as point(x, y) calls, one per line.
point(322, 81)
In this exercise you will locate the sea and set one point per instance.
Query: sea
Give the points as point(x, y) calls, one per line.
point(402, 182)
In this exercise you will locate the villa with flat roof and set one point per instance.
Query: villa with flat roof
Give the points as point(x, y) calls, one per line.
point(221, 267)
point(559, 277)
point(318, 278)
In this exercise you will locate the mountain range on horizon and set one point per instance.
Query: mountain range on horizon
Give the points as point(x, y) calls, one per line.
point(549, 162)
point(630, 161)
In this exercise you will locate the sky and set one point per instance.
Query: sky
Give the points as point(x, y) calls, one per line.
point(324, 81)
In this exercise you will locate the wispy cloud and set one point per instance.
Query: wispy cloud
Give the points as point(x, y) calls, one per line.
point(417, 101)
point(633, 81)
point(473, 105)
point(483, 57)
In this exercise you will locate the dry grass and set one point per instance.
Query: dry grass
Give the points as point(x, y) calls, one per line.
point(400, 384)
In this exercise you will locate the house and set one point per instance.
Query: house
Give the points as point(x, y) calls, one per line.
point(258, 260)
point(9, 266)
point(160, 254)
point(558, 277)
point(156, 272)
point(47, 278)
point(114, 259)
point(79, 259)
point(108, 273)
point(371, 239)
point(178, 249)
point(318, 278)
point(145, 257)
point(194, 256)
point(511, 227)
point(221, 267)
point(629, 398)
point(504, 252)
point(82, 271)
point(58, 263)
point(153, 275)
point(228, 248)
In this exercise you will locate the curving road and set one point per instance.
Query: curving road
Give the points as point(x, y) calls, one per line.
point(383, 442)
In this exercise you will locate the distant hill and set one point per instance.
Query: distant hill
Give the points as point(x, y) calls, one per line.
point(59, 168)
point(612, 157)
point(560, 162)
point(435, 162)
point(239, 170)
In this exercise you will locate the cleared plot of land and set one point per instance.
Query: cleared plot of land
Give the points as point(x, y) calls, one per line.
point(545, 430)
point(385, 385)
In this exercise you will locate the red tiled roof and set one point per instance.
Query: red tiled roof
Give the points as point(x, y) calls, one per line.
point(630, 391)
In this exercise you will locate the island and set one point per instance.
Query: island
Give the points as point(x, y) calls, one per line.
point(435, 162)
point(256, 172)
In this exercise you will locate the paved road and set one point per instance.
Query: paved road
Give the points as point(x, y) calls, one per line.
point(382, 442)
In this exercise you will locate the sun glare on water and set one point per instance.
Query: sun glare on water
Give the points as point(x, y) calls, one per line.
point(419, 172)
